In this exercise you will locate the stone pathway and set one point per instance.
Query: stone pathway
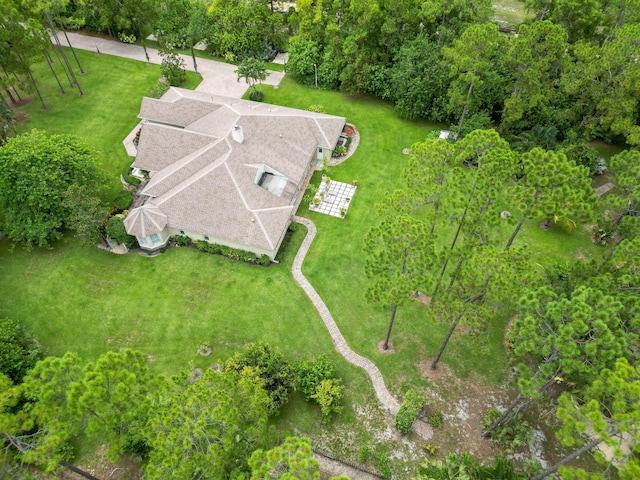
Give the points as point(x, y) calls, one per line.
point(384, 397)
point(601, 190)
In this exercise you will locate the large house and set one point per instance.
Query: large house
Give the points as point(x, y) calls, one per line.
point(225, 170)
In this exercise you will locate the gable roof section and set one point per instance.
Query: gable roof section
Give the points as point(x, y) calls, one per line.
point(160, 145)
point(178, 172)
point(179, 112)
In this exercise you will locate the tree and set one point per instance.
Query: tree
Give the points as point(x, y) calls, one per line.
point(242, 29)
point(420, 79)
point(86, 214)
point(182, 24)
point(608, 412)
point(550, 185)
point(7, 119)
point(273, 371)
point(291, 460)
point(399, 251)
point(566, 339)
point(172, 66)
point(19, 351)
point(114, 396)
point(253, 72)
point(117, 16)
point(536, 57)
point(623, 204)
point(474, 60)
point(35, 172)
point(207, 428)
point(603, 84)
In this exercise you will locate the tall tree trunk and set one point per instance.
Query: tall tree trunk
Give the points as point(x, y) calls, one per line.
point(49, 62)
point(516, 405)
point(146, 54)
point(454, 324)
point(454, 241)
point(75, 469)
point(73, 52)
point(6, 90)
point(63, 69)
point(515, 233)
point(455, 274)
point(193, 56)
point(35, 85)
point(464, 110)
point(393, 317)
point(567, 459)
point(62, 52)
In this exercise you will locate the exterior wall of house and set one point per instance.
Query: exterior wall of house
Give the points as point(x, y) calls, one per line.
point(220, 241)
point(323, 153)
point(155, 241)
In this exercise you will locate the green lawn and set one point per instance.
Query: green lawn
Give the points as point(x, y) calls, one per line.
point(106, 113)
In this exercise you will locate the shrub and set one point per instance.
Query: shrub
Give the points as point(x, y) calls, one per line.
point(123, 200)
point(158, 90)
point(276, 374)
point(382, 463)
point(19, 351)
point(126, 174)
point(316, 108)
point(329, 395)
point(517, 433)
point(339, 151)
point(436, 419)
point(115, 230)
point(583, 154)
point(124, 38)
point(364, 454)
point(256, 96)
point(312, 372)
point(172, 68)
point(413, 402)
point(182, 240)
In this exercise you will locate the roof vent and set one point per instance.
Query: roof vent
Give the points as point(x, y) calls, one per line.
point(237, 134)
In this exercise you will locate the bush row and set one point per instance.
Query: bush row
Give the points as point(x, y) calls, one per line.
point(233, 253)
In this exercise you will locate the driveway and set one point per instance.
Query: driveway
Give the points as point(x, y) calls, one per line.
point(217, 77)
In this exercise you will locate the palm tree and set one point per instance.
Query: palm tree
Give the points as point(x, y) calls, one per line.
point(253, 71)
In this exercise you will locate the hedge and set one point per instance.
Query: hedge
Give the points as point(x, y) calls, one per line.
point(413, 403)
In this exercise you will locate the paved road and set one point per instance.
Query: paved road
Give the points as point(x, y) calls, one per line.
point(217, 77)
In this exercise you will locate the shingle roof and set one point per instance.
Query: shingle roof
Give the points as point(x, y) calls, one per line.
point(145, 220)
point(205, 182)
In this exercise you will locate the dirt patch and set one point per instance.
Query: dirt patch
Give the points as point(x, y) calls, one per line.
point(422, 298)
point(389, 350)
point(545, 225)
point(100, 466)
point(463, 403)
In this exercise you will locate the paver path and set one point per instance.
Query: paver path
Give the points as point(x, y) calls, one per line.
point(217, 77)
point(384, 397)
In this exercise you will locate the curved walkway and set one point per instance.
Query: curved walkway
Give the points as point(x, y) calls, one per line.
point(384, 397)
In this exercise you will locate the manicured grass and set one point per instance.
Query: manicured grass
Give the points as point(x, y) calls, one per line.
point(106, 113)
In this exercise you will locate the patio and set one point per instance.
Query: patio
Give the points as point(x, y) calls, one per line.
point(333, 198)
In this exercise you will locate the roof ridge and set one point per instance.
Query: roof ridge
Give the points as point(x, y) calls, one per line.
point(246, 205)
point(193, 178)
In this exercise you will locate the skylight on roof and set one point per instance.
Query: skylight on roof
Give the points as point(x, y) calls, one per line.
point(272, 181)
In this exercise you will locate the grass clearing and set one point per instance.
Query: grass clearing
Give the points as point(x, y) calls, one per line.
point(510, 12)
